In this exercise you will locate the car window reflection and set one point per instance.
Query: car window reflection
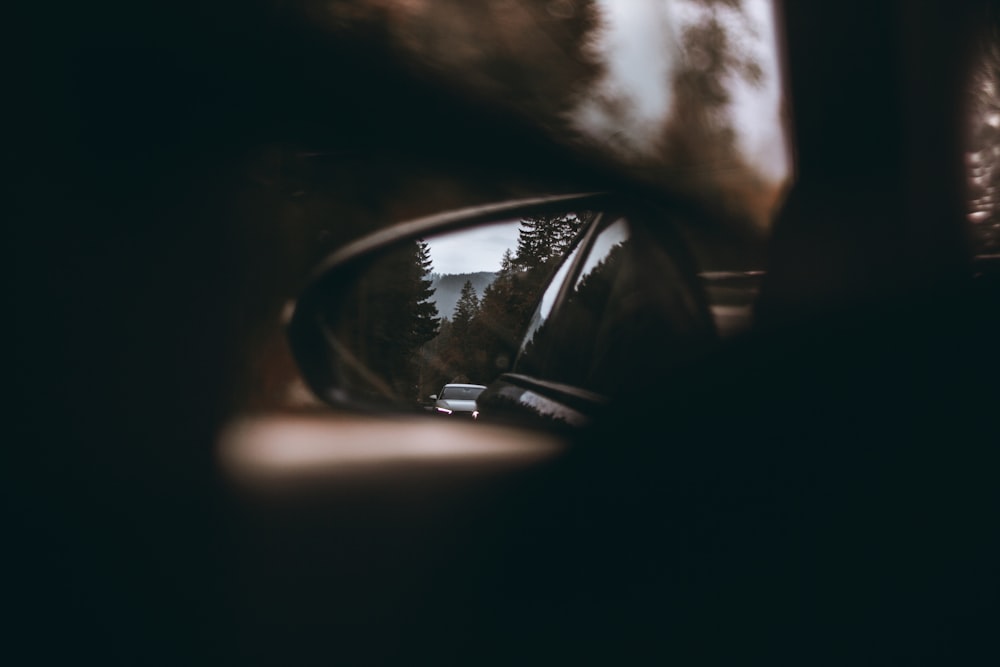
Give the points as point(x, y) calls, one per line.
point(548, 300)
point(606, 242)
point(613, 326)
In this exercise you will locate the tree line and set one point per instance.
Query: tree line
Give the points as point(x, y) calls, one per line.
point(421, 349)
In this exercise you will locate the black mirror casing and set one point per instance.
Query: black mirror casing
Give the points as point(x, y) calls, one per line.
point(343, 379)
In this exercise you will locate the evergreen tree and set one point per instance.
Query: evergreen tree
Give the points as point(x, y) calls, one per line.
point(510, 300)
point(394, 317)
point(424, 318)
point(494, 329)
point(481, 339)
point(542, 238)
point(465, 310)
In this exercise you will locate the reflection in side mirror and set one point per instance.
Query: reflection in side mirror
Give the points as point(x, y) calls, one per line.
point(397, 316)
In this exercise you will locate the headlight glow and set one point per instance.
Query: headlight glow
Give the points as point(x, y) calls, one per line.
point(444, 410)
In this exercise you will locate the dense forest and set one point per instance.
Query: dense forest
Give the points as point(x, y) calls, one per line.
point(403, 330)
point(478, 338)
point(420, 339)
point(448, 287)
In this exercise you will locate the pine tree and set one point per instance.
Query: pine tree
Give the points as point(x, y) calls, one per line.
point(466, 309)
point(542, 238)
point(467, 348)
point(509, 301)
point(395, 318)
point(424, 318)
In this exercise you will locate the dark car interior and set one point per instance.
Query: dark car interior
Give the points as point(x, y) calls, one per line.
point(818, 490)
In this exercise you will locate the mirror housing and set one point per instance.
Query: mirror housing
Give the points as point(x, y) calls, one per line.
point(603, 293)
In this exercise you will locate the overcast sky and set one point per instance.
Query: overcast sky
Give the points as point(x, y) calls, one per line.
point(757, 111)
point(638, 45)
point(474, 250)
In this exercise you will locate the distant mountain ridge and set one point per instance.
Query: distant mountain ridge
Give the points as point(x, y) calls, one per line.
point(448, 287)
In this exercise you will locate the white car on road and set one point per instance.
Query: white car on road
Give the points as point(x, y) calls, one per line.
point(457, 399)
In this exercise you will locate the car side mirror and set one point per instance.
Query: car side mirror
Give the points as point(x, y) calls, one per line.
point(447, 298)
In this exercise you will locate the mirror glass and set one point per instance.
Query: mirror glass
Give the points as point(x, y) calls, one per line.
point(453, 308)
